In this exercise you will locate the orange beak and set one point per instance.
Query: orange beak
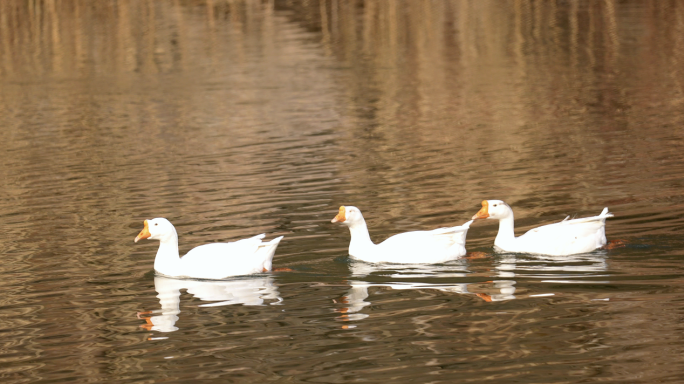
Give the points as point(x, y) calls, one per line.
point(484, 212)
point(144, 234)
point(340, 216)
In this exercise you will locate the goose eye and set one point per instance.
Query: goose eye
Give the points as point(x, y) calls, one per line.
point(156, 224)
point(494, 205)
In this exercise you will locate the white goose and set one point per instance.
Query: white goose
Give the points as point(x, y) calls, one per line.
point(437, 246)
point(210, 261)
point(567, 237)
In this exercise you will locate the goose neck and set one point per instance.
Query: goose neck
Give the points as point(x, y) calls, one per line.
point(359, 232)
point(167, 256)
point(506, 229)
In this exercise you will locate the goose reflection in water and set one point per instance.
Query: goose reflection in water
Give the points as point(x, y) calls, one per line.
point(247, 291)
point(550, 269)
point(581, 265)
point(508, 267)
point(398, 276)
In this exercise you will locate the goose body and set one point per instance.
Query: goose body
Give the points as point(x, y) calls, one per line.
point(210, 261)
point(567, 237)
point(423, 247)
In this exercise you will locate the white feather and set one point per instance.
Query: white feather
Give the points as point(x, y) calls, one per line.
point(436, 246)
point(563, 238)
point(210, 261)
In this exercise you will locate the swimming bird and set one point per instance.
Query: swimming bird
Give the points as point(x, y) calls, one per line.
point(436, 246)
point(209, 261)
point(564, 238)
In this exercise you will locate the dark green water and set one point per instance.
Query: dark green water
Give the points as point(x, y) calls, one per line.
point(234, 118)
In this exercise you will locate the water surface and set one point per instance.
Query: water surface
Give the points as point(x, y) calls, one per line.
point(237, 118)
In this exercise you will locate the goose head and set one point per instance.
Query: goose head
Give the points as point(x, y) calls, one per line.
point(157, 229)
point(348, 216)
point(493, 209)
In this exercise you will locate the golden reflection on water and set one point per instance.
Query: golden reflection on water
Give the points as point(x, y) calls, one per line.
point(236, 117)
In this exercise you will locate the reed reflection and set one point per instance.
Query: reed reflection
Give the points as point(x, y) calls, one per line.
point(258, 290)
